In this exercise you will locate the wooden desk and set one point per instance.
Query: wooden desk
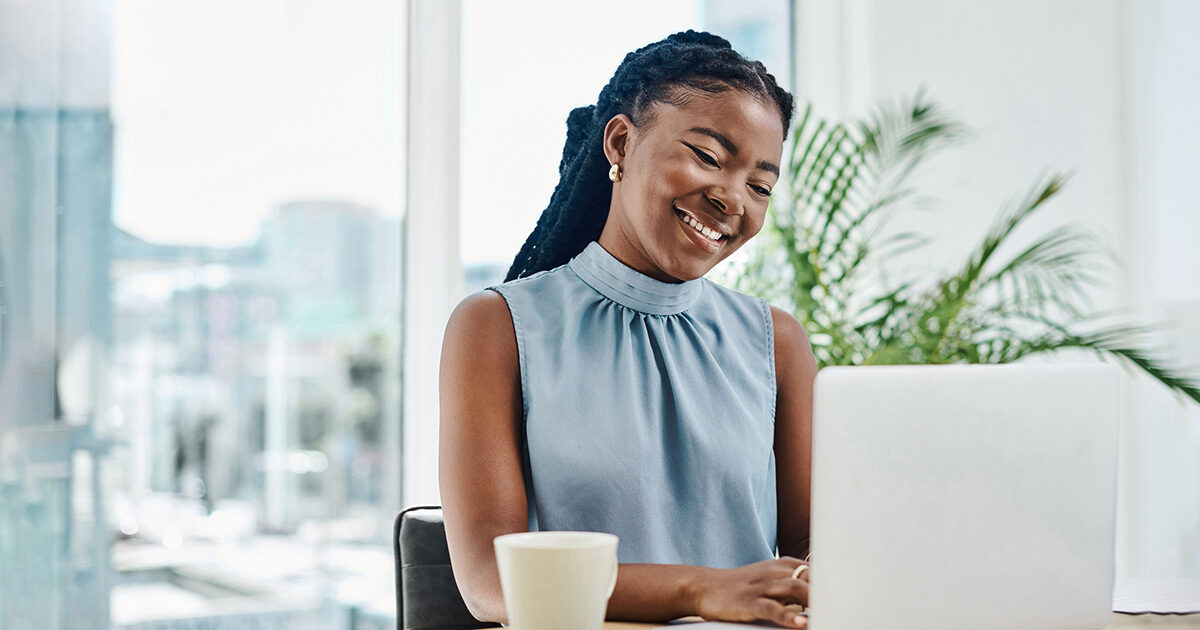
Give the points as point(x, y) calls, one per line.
point(1125, 622)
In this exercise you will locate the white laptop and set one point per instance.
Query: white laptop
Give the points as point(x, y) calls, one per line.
point(964, 497)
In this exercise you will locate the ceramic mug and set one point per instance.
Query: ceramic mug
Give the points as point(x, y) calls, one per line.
point(555, 580)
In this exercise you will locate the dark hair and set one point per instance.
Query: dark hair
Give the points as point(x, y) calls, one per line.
point(667, 71)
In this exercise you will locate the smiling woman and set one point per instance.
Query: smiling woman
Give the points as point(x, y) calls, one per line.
point(608, 386)
point(686, 157)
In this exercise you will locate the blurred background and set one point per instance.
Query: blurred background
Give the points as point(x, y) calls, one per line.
point(231, 234)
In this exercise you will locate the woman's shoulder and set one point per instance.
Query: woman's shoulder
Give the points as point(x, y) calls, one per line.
point(787, 333)
point(780, 317)
point(494, 314)
point(479, 349)
point(730, 294)
point(484, 304)
point(727, 299)
point(547, 294)
point(533, 282)
point(483, 318)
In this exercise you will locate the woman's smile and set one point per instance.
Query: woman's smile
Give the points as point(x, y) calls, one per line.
point(706, 238)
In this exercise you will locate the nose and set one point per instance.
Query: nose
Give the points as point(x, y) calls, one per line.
point(724, 200)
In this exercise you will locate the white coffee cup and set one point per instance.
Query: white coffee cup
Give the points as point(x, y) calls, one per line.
point(555, 580)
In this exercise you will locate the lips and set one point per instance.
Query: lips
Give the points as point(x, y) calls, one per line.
point(707, 244)
point(704, 221)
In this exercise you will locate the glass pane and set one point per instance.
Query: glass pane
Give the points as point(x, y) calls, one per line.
point(256, 296)
point(200, 293)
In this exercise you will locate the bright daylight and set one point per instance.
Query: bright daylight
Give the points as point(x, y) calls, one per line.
point(554, 315)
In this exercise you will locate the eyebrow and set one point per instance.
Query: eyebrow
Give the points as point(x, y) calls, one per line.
point(732, 148)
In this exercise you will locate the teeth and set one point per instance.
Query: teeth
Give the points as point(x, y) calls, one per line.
point(710, 234)
point(707, 232)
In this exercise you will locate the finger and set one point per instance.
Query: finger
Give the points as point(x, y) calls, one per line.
point(775, 569)
point(790, 562)
point(788, 590)
point(777, 572)
point(786, 564)
point(771, 610)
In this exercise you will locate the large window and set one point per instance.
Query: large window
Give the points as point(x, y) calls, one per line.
point(203, 279)
point(255, 268)
point(215, 230)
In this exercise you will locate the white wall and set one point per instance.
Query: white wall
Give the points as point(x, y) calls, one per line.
point(1101, 88)
point(1162, 69)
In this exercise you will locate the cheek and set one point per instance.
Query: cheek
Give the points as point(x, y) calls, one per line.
point(755, 219)
point(665, 182)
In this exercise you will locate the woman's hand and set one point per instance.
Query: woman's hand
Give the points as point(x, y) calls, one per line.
point(755, 592)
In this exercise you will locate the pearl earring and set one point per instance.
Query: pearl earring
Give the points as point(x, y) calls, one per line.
point(614, 173)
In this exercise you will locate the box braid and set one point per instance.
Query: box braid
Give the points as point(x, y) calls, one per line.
point(667, 71)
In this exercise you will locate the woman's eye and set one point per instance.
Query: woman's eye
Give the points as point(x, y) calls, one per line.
point(766, 192)
point(708, 159)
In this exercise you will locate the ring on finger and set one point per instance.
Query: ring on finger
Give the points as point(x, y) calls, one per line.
point(800, 570)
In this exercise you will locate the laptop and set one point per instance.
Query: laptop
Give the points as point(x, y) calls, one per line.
point(966, 496)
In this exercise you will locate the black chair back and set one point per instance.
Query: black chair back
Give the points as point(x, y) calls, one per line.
point(427, 597)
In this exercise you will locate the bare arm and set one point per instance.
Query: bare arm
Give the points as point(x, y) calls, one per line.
point(483, 492)
point(479, 461)
point(795, 369)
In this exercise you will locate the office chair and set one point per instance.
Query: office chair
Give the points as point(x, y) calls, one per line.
point(427, 597)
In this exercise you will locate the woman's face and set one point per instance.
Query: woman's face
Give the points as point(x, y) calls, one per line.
point(713, 160)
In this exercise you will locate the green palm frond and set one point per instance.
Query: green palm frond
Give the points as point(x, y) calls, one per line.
point(1121, 342)
point(824, 253)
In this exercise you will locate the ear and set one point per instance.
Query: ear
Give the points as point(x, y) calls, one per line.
point(617, 136)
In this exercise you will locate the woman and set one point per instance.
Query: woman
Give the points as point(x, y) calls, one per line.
point(607, 386)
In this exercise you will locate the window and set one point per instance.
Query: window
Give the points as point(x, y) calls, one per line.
point(211, 423)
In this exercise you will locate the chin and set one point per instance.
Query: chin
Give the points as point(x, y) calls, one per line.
point(686, 270)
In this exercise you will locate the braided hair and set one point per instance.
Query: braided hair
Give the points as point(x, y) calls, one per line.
point(666, 71)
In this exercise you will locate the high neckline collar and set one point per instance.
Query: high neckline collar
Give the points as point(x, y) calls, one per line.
point(629, 287)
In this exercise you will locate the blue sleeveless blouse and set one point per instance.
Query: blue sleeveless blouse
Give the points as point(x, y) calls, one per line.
point(649, 411)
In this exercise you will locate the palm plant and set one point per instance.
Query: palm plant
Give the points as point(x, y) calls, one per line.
point(822, 253)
